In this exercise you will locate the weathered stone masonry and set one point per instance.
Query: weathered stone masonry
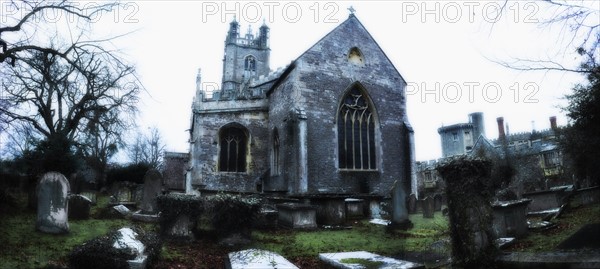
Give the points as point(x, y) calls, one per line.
point(291, 118)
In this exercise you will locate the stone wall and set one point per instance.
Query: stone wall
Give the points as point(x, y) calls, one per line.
point(316, 85)
point(209, 118)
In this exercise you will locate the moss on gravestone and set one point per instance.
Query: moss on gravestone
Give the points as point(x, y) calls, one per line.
point(469, 191)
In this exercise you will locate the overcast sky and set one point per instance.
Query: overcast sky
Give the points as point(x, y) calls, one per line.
point(442, 49)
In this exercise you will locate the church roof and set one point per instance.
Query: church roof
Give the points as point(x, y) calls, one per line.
point(272, 76)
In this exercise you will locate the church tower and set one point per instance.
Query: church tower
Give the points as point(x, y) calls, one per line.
point(245, 57)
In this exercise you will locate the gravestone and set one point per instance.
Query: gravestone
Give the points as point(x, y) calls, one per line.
point(79, 207)
point(375, 209)
point(128, 240)
point(510, 218)
point(92, 195)
point(152, 188)
point(182, 227)
point(428, 207)
point(353, 260)
point(258, 258)
point(437, 202)
point(399, 210)
point(468, 194)
point(52, 204)
point(412, 204)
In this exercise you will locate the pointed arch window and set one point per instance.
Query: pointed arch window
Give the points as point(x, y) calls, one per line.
point(356, 132)
point(232, 154)
point(249, 66)
point(276, 169)
point(250, 63)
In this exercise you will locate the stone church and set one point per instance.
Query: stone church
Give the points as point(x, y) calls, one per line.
point(331, 123)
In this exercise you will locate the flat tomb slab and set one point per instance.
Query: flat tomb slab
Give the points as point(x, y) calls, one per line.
point(353, 260)
point(258, 259)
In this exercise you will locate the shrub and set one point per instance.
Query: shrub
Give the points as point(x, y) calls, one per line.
point(133, 172)
point(173, 205)
point(99, 252)
point(231, 214)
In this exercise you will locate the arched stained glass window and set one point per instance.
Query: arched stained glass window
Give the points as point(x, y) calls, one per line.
point(232, 155)
point(356, 132)
point(276, 162)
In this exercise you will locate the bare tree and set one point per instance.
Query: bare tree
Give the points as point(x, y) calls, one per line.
point(147, 148)
point(60, 97)
point(579, 23)
point(102, 138)
point(24, 23)
point(20, 140)
point(72, 91)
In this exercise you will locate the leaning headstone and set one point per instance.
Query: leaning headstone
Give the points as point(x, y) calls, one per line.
point(152, 188)
point(53, 207)
point(257, 258)
point(127, 239)
point(437, 202)
point(79, 207)
point(428, 207)
point(92, 195)
point(121, 210)
point(412, 204)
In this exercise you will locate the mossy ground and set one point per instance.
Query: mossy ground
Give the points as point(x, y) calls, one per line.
point(566, 225)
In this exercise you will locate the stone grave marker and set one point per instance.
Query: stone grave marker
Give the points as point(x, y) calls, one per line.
point(79, 207)
point(351, 260)
point(428, 207)
point(152, 188)
point(375, 209)
point(52, 204)
point(437, 202)
point(127, 239)
point(412, 204)
point(258, 258)
point(399, 209)
point(92, 195)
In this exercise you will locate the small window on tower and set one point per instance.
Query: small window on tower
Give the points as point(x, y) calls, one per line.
point(250, 63)
point(355, 56)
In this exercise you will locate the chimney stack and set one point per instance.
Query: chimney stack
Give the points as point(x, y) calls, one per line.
point(501, 134)
point(553, 125)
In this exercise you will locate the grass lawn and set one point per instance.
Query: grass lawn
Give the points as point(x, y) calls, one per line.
point(24, 247)
point(362, 236)
point(21, 246)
